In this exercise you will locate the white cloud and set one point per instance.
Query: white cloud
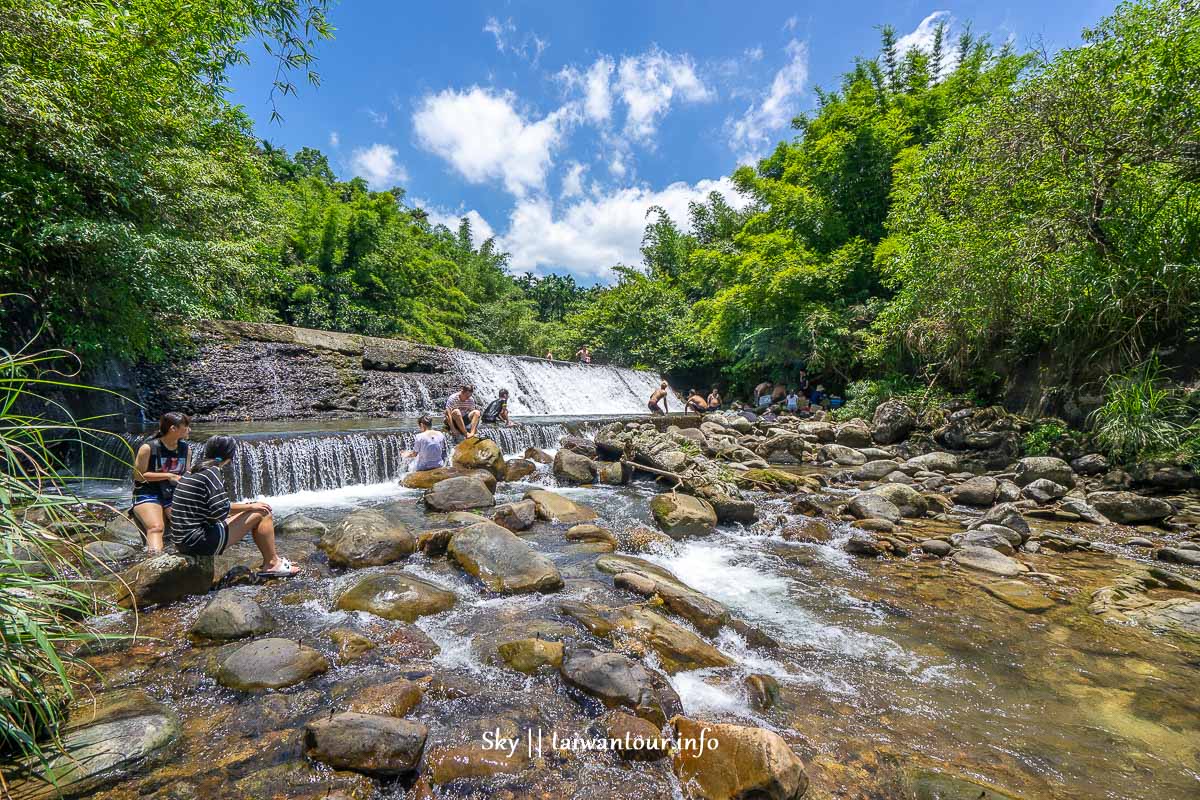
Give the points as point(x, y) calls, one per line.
point(334, 139)
point(922, 39)
point(650, 82)
point(754, 53)
point(500, 30)
point(572, 183)
point(483, 136)
point(791, 23)
point(380, 118)
point(378, 165)
point(596, 87)
point(591, 235)
point(750, 134)
point(507, 39)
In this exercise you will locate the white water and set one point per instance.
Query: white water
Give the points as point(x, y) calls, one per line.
point(540, 387)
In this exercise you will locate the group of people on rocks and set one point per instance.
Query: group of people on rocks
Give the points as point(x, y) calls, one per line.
point(769, 398)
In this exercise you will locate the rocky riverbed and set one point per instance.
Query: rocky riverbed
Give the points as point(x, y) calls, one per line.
point(865, 609)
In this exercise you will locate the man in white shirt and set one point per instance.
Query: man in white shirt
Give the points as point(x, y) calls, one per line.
point(429, 447)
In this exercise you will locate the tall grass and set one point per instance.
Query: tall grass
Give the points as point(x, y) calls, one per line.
point(1141, 415)
point(42, 599)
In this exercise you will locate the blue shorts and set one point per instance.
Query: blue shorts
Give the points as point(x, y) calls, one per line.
point(153, 497)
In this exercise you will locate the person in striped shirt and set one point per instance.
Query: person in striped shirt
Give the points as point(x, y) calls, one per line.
point(461, 412)
point(206, 523)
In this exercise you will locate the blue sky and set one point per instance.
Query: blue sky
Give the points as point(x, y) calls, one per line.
point(555, 126)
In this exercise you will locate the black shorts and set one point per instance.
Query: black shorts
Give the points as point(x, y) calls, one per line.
point(211, 542)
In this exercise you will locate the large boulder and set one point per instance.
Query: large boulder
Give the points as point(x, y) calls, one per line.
point(571, 467)
point(395, 595)
point(873, 506)
point(578, 445)
point(1048, 467)
point(876, 470)
point(516, 469)
point(855, 433)
point(682, 515)
point(650, 580)
point(634, 738)
point(978, 491)
point(612, 473)
point(1090, 464)
point(367, 539)
point(985, 559)
point(732, 762)
point(539, 456)
point(163, 579)
point(893, 421)
point(556, 508)
point(504, 562)
point(838, 454)
point(428, 478)
point(270, 664)
point(516, 516)
point(459, 494)
point(910, 502)
point(1043, 491)
point(934, 462)
point(231, 615)
point(1129, 508)
point(373, 744)
point(618, 681)
point(478, 453)
point(638, 627)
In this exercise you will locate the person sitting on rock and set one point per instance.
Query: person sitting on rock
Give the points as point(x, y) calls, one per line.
point(714, 399)
point(695, 402)
point(158, 466)
point(205, 523)
point(497, 410)
point(429, 447)
point(462, 417)
point(659, 394)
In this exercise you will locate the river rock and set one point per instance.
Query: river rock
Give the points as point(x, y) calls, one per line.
point(478, 453)
point(893, 421)
point(373, 744)
point(556, 508)
point(618, 681)
point(395, 595)
point(99, 747)
point(578, 445)
point(873, 506)
point(838, 454)
point(367, 539)
point(110, 552)
point(1129, 508)
point(875, 470)
point(986, 559)
point(775, 480)
point(163, 579)
point(231, 615)
point(856, 433)
point(539, 456)
point(428, 478)
point(124, 530)
point(934, 462)
point(1005, 515)
point(270, 664)
point(393, 699)
point(682, 515)
point(516, 469)
point(300, 525)
point(1043, 491)
point(1091, 464)
point(651, 580)
point(908, 500)
point(528, 655)
point(571, 467)
point(633, 738)
point(638, 627)
point(502, 561)
point(737, 762)
point(591, 533)
point(986, 536)
point(351, 645)
point(517, 516)
point(978, 491)
point(864, 544)
point(1043, 467)
point(763, 690)
point(459, 494)
point(936, 547)
point(807, 530)
point(612, 473)
point(1178, 555)
point(1019, 595)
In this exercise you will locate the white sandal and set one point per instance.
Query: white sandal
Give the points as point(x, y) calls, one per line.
point(286, 569)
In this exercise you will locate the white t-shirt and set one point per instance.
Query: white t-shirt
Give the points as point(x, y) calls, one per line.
point(431, 450)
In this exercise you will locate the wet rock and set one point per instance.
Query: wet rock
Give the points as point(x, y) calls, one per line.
point(763, 690)
point(502, 561)
point(775, 480)
point(556, 508)
point(571, 467)
point(985, 559)
point(936, 547)
point(1019, 595)
point(899, 477)
point(578, 445)
point(893, 421)
point(373, 744)
point(856, 433)
point(864, 544)
point(747, 762)
point(876, 470)
point(808, 530)
point(643, 539)
point(396, 595)
point(1129, 508)
point(270, 664)
point(459, 494)
point(618, 681)
point(844, 456)
point(428, 478)
point(230, 616)
point(873, 506)
point(1091, 464)
point(299, 525)
point(163, 579)
point(682, 515)
point(639, 629)
point(99, 747)
point(1043, 467)
point(539, 456)
point(1178, 555)
point(907, 500)
point(591, 533)
point(1130, 601)
point(474, 760)
point(733, 509)
point(633, 738)
point(405, 642)
point(392, 699)
point(516, 469)
point(1006, 516)
point(517, 516)
point(931, 785)
point(477, 453)
point(122, 529)
point(367, 539)
point(1084, 511)
point(1043, 491)
point(434, 542)
point(111, 552)
point(875, 525)
point(528, 655)
point(612, 473)
point(651, 580)
point(1007, 492)
point(934, 462)
point(1140, 541)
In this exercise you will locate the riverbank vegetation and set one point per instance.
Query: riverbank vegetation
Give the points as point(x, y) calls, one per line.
point(938, 218)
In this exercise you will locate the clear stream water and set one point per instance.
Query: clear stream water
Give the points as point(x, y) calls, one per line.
point(890, 670)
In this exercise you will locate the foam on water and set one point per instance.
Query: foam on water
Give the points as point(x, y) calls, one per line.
point(343, 497)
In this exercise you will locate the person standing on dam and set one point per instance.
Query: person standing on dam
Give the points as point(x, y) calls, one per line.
point(659, 394)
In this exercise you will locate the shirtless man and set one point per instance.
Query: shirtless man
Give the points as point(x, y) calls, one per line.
point(714, 399)
point(763, 389)
point(659, 394)
point(695, 402)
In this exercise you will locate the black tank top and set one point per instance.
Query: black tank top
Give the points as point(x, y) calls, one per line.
point(163, 460)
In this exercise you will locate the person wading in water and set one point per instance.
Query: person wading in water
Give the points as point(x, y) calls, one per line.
point(158, 466)
point(429, 447)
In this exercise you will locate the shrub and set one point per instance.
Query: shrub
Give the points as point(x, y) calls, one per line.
point(1045, 437)
point(1140, 415)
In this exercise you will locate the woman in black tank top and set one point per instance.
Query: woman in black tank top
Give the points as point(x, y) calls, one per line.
point(158, 466)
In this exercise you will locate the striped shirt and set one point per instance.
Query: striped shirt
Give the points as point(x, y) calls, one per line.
point(455, 401)
point(200, 501)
